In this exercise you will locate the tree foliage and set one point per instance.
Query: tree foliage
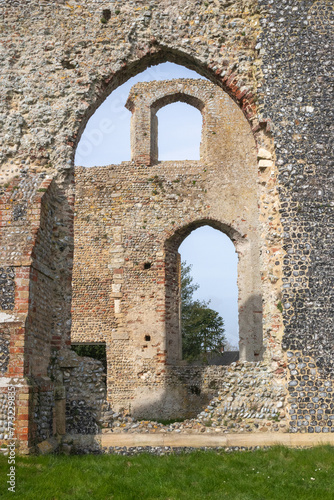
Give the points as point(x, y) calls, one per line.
point(202, 327)
point(96, 351)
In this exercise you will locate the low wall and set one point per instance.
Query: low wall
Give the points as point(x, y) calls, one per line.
point(243, 395)
point(82, 387)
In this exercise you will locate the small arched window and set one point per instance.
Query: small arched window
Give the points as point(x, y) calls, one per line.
point(179, 132)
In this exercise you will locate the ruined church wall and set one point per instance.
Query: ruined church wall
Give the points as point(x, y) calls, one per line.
point(295, 92)
point(30, 298)
point(58, 64)
point(133, 367)
point(130, 220)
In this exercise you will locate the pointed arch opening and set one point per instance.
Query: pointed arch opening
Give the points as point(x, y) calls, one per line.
point(104, 139)
point(249, 302)
point(132, 308)
point(209, 297)
point(110, 96)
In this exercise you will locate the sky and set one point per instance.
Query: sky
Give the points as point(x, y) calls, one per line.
point(106, 141)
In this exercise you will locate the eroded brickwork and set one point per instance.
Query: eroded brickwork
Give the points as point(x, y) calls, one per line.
point(243, 397)
point(36, 241)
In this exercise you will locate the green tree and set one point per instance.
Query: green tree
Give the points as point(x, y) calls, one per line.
point(96, 351)
point(187, 286)
point(202, 327)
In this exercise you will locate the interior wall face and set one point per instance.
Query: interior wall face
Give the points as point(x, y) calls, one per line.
point(58, 63)
point(134, 285)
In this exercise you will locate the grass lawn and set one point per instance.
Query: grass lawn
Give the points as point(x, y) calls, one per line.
point(277, 473)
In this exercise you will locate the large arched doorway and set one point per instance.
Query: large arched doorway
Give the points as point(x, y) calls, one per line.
point(105, 137)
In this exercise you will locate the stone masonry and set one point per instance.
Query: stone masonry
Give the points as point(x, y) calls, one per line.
point(265, 178)
point(135, 216)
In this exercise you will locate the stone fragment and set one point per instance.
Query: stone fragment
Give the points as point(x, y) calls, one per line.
point(48, 446)
point(264, 154)
point(265, 163)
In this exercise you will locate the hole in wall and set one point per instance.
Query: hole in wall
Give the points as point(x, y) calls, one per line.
point(93, 350)
point(179, 125)
point(147, 265)
point(194, 389)
point(209, 297)
point(147, 338)
point(66, 64)
point(106, 15)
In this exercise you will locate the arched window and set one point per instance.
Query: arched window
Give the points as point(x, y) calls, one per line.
point(179, 132)
point(231, 288)
point(210, 271)
point(106, 138)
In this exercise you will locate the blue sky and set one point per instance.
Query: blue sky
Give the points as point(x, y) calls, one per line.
point(106, 140)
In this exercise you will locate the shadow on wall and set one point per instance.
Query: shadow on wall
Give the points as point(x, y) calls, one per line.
point(223, 359)
point(188, 388)
point(187, 391)
point(48, 321)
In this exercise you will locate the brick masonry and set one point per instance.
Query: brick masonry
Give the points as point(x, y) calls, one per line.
point(135, 216)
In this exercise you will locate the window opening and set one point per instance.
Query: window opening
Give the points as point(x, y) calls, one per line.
point(209, 285)
point(179, 132)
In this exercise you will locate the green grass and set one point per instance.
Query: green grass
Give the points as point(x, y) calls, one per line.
point(273, 474)
point(170, 421)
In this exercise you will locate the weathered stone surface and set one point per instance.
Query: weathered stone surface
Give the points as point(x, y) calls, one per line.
point(58, 63)
point(47, 446)
point(264, 154)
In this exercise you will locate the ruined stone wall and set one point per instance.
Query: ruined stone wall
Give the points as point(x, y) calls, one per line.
point(242, 397)
point(59, 62)
point(239, 394)
point(295, 93)
point(134, 217)
point(153, 207)
point(80, 384)
point(31, 316)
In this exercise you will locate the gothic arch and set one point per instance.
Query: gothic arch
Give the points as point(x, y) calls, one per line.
point(152, 55)
point(250, 298)
point(144, 202)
